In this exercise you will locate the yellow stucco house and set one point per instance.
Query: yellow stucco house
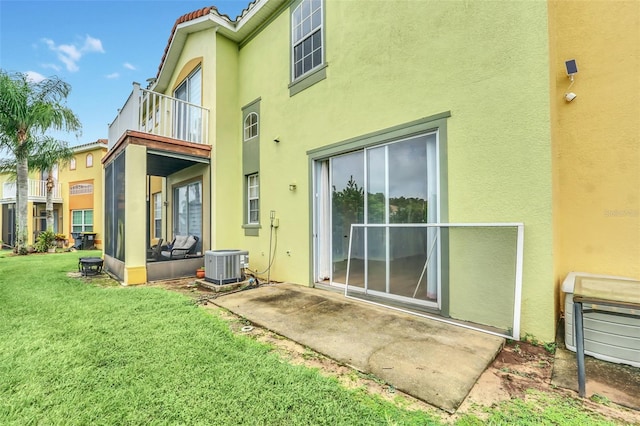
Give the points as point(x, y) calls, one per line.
point(419, 155)
point(77, 198)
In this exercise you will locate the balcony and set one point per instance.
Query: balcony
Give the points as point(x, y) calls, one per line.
point(157, 114)
point(37, 191)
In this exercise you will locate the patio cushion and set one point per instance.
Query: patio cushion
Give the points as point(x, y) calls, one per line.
point(182, 246)
point(181, 242)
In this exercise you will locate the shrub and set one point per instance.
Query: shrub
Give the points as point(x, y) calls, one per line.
point(45, 240)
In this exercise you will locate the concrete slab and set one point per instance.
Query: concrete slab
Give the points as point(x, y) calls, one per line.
point(433, 361)
point(617, 382)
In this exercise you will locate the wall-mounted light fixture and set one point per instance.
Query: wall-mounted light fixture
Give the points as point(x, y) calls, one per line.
point(292, 187)
point(572, 69)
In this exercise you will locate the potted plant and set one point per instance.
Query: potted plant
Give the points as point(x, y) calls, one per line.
point(200, 272)
point(61, 240)
point(46, 242)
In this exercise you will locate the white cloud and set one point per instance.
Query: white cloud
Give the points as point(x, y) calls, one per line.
point(70, 54)
point(35, 77)
point(113, 75)
point(92, 45)
point(51, 66)
point(128, 66)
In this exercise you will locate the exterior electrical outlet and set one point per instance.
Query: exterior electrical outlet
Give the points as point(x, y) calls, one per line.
point(225, 266)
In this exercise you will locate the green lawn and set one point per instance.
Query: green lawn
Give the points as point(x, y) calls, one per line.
point(72, 352)
point(76, 353)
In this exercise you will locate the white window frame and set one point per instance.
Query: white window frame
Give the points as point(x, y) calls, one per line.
point(84, 225)
point(157, 214)
point(251, 123)
point(89, 160)
point(253, 183)
point(298, 22)
point(72, 164)
point(187, 116)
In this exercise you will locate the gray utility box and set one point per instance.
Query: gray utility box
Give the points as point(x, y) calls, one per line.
point(613, 338)
point(225, 266)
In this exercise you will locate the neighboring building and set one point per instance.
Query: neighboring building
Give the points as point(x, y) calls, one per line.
point(277, 132)
point(596, 137)
point(77, 197)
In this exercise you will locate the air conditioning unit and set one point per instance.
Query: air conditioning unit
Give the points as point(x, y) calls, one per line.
point(225, 266)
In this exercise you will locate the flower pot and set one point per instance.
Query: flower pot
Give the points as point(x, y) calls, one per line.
point(200, 273)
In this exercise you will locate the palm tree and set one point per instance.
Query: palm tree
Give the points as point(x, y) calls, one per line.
point(49, 153)
point(28, 109)
point(43, 157)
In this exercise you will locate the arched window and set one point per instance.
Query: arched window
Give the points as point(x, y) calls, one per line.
point(251, 126)
point(72, 164)
point(89, 160)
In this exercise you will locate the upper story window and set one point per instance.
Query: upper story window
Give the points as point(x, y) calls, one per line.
point(306, 37)
point(89, 160)
point(250, 126)
point(72, 164)
point(81, 189)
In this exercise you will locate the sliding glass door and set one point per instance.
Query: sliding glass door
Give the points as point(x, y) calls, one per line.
point(187, 210)
point(383, 188)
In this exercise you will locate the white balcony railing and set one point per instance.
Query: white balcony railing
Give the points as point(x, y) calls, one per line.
point(162, 115)
point(37, 191)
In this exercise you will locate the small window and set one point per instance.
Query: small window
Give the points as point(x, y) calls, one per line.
point(89, 160)
point(251, 126)
point(72, 164)
point(253, 199)
point(157, 215)
point(82, 221)
point(306, 37)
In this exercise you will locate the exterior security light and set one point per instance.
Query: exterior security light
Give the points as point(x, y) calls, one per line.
point(572, 67)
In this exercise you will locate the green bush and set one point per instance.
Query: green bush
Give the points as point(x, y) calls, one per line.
point(45, 240)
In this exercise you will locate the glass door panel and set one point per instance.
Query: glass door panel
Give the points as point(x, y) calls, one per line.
point(408, 173)
point(377, 202)
point(347, 207)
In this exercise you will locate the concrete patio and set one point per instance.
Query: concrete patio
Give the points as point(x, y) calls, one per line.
point(433, 361)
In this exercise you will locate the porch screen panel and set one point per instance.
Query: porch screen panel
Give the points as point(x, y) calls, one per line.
point(109, 211)
point(114, 208)
point(119, 186)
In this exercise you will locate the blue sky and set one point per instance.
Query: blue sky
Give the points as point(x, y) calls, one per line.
point(98, 47)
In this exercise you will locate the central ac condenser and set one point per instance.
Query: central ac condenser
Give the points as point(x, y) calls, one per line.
point(225, 266)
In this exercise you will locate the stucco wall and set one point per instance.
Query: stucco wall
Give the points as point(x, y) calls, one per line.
point(397, 62)
point(596, 138)
point(84, 174)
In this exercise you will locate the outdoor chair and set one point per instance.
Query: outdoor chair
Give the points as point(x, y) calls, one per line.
point(180, 247)
point(157, 249)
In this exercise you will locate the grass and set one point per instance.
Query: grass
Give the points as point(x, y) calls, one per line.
point(537, 409)
point(75, 351)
